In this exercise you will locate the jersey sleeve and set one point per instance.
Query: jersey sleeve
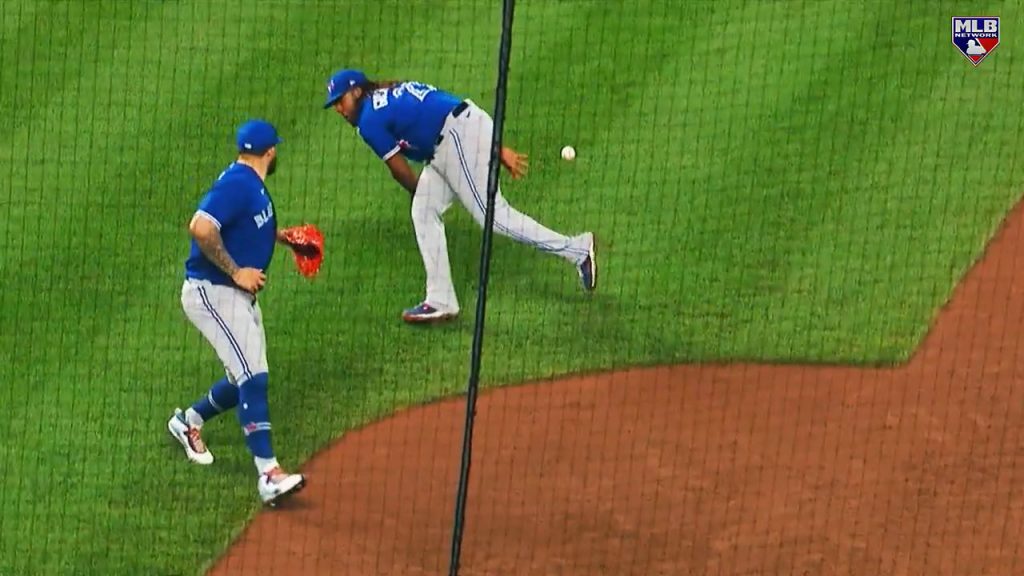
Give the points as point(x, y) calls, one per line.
point(221, 206)
point(376, 135)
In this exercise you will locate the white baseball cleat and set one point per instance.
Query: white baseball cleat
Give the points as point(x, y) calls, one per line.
point(189, 437)
point(277, 484)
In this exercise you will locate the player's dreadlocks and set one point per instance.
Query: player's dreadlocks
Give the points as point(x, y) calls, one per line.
point(371, 85)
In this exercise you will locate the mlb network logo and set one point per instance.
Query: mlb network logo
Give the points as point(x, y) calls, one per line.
point(976, 36)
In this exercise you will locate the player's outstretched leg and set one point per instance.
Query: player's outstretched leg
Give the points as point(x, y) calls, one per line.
point(186, 426)
point(579, 249)
point(466, 165)
point(254, 415)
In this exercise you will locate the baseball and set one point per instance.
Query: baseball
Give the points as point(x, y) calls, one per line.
point(568, 153)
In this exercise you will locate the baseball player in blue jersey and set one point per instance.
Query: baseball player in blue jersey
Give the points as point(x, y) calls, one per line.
point(234, 232)
point(403, 121)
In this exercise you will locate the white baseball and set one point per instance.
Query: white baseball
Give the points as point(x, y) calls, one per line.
point(568, 153)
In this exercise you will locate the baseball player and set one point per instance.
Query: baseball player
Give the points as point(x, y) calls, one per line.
point(403, 121)
point(233, 237)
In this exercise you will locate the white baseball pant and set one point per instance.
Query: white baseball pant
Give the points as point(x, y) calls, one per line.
point(459, 169)
point(231, 321)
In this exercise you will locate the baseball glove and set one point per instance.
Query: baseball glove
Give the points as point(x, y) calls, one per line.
point(307, 244)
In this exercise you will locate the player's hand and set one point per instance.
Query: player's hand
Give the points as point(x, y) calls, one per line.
point(249, 279)
point(515, 162)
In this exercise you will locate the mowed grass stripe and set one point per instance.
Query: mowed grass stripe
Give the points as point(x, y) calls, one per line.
point(667, 155)
point(139, 378)
point(607, 71)
point(661, 214)
point(882, 257)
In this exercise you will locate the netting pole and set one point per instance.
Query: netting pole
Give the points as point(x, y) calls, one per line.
point(481, 301)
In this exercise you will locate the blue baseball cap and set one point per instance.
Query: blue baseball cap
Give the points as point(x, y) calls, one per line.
point(341, 82)
point(256, 137)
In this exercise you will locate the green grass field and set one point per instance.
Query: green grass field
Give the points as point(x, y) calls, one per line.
point(776, 181)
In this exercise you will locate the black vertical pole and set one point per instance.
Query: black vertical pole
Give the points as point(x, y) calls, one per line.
point(481, 300)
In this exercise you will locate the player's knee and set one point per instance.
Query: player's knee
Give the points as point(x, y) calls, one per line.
point(478, 210)
point(502, 215)
point(252, 401)
point(422, 212)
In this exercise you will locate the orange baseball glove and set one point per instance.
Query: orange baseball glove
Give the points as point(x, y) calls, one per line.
point(307, 244)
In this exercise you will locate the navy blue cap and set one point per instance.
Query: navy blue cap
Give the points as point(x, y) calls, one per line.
point(341, 82)
point(256, 137)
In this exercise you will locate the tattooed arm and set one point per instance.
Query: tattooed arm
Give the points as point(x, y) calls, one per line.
point(207, 236)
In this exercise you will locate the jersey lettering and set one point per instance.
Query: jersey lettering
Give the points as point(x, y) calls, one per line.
point(417, 89)
point(405, 119)
point(263, 217)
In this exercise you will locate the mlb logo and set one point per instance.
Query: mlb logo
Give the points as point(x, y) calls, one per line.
point(976, 36)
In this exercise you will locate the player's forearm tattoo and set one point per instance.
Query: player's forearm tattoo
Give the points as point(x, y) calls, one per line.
point(213, 248)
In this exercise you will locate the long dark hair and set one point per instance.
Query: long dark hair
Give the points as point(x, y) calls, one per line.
point(372, 85)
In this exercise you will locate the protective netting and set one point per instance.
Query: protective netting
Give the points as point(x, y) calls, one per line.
point(804, 212)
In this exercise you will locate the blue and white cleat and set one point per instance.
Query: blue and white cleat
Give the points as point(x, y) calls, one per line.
point(588, 267)
point(425, 313)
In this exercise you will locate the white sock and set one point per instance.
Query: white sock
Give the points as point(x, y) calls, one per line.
point(265, 465)
point(193, 418)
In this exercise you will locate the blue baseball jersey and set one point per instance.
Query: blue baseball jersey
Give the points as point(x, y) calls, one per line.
point(405, 119)
point(239, 204)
